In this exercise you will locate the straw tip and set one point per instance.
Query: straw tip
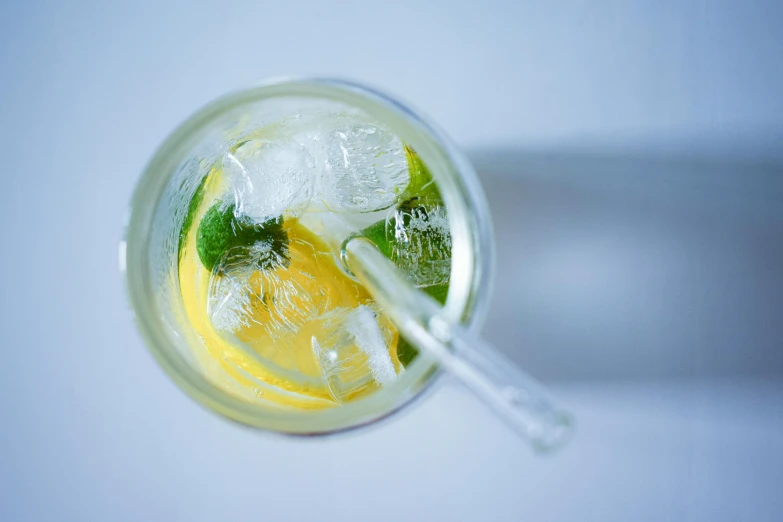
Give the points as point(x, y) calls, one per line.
point(557, 432)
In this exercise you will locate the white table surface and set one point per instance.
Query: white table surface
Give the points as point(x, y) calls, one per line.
point(142, 451)
point(92, 430)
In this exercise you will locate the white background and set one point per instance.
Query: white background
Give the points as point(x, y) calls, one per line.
point(631, 154)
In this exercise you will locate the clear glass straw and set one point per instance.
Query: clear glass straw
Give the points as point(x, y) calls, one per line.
point(512, 394)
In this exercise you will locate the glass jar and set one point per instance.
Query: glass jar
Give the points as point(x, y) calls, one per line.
point(158, 210)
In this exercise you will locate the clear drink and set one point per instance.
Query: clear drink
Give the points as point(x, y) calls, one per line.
point(259, 269)
point(234, 245)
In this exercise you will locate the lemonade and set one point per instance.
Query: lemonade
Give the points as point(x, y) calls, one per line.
point(287, 248)
point(259, 269)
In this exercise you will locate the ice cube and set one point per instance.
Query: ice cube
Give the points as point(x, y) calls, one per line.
point(352, 347)
point(267, 306)
point(257, 286)
point(269, 177)
point(360, 167)
point(232, 297)
point(228, 305)
point(421, 244)
point(362, 324)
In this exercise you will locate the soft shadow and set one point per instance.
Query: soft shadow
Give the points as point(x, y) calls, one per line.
point(635, 268)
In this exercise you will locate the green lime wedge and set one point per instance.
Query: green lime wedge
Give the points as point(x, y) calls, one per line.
point(220, 230)
point(195, 202)
point(421, 184)
point(421, 197)
point(405, 350)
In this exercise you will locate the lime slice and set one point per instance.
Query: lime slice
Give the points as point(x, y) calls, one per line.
point(421, 197)
point(405, 350)
point(421, 184)
point(195, 203)
point(220, 230)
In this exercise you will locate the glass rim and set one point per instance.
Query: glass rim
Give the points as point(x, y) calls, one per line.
point(436, 150)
